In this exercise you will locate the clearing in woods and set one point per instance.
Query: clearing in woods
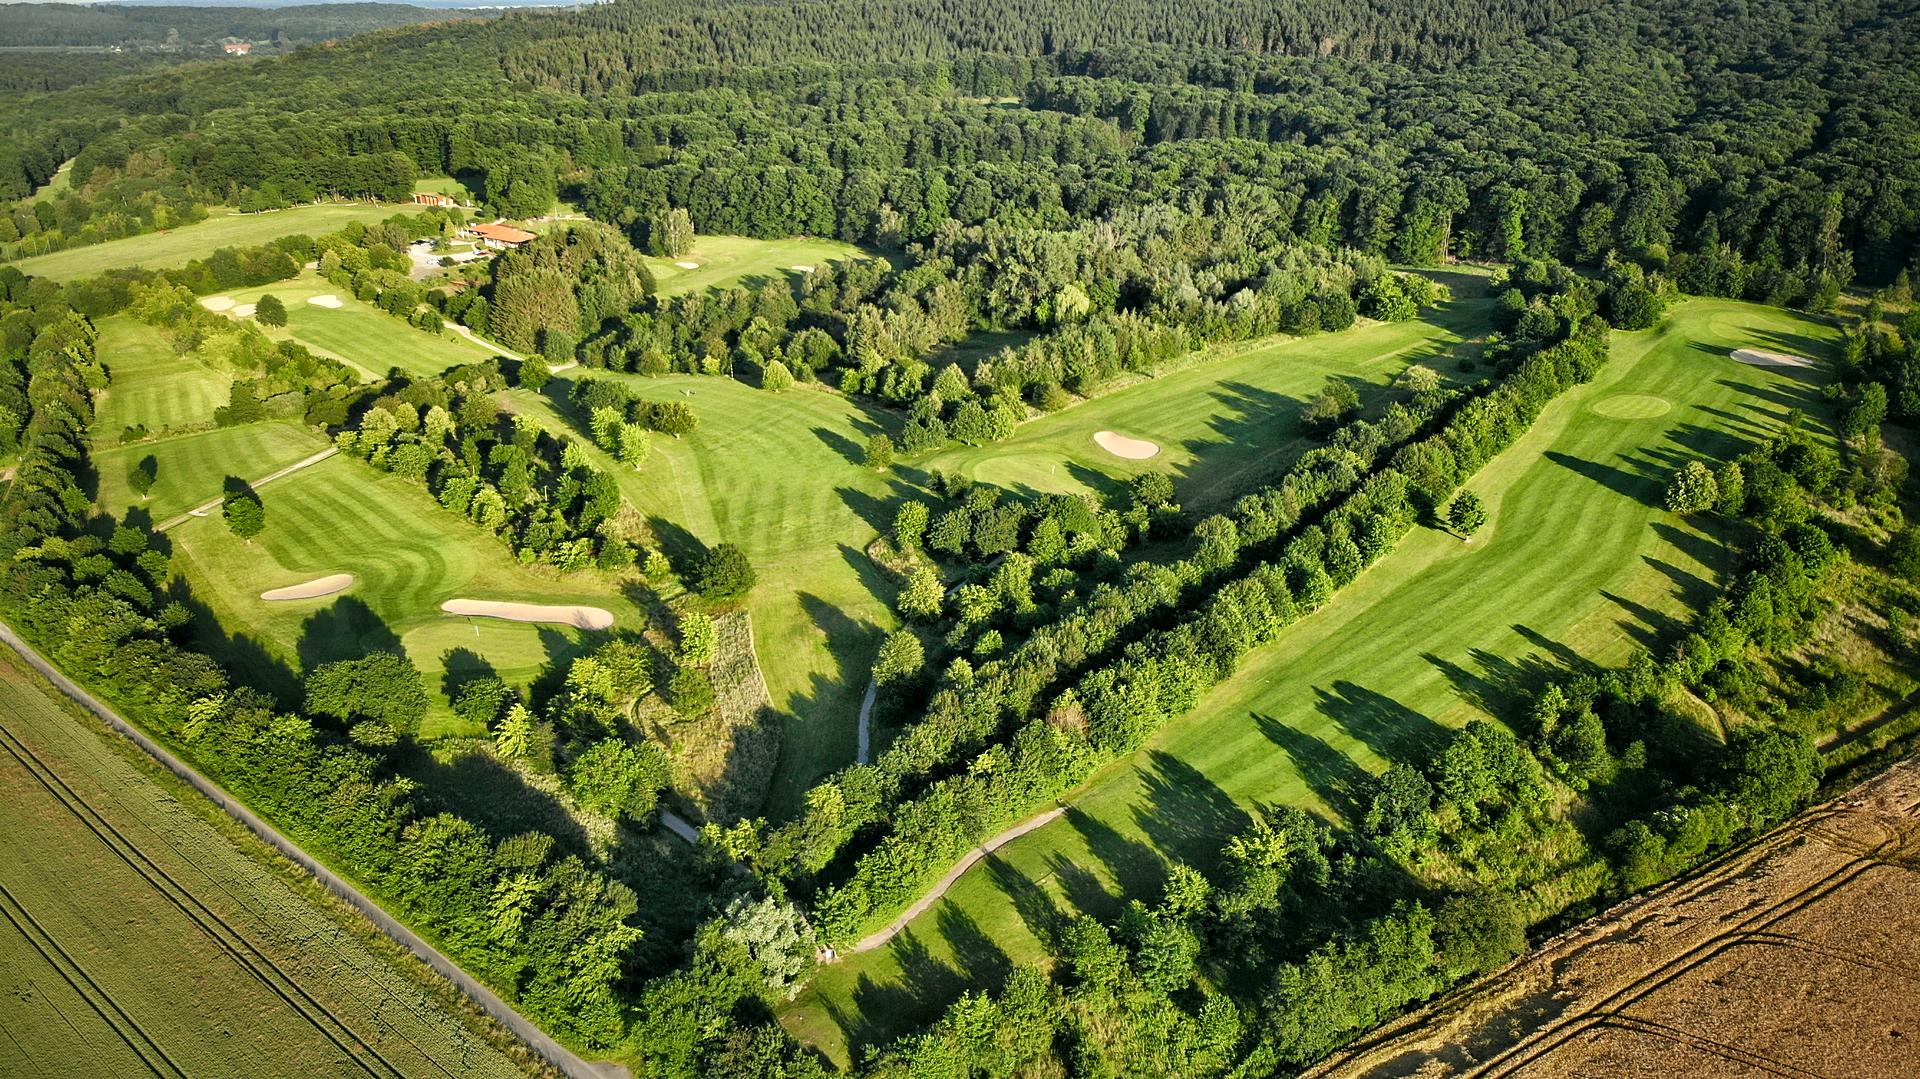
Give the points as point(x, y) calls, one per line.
point(261, 976)
point(1225, 419)
point(1434, 634)
point(222, 228)
point(728, 260)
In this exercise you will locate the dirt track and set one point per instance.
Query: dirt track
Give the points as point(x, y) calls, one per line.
point(1799, 956)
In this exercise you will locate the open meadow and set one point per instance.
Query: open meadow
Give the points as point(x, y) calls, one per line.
point(1438, 632)
point(719, 261)
point(407, 556)
point(222, 228)
point(143, 933)
point(358, 333)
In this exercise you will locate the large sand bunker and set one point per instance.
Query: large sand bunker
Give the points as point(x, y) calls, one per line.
point(1133, 449)
point(802, 269)
point(577, 617)
point(314, 589)
point(216, 303)
point(1769, 359)
point(688, 265)
point(328, 300)
point(245, 310)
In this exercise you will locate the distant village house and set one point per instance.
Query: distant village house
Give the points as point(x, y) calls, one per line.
point(432, 198)
point(236, 48)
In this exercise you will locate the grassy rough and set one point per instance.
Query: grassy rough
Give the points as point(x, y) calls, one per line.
point(1435, 634)
point(222, 228)
point(144, 873)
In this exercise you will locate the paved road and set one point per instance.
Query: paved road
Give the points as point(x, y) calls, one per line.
point(874, 940)
point(205, 508)
point(866, 717)
point(561, 1057)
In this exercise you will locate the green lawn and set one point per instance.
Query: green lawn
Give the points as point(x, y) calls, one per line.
point(152, 384)
point(1226, 421)
point(408, 556)
point(778, 474)
point(359, 333)
point(223, 228)
point(1437, 633)
point(442, 185)
point(194, 468)
point(728, 260)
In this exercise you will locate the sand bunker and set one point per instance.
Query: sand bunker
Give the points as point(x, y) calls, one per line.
point(578, 617)
point(329, 300)
point(245, 310)
point(688, 265)
point(217, 303)
point(314, 589)
point(802, 269)
point(1769, 359)
point(1133, 449)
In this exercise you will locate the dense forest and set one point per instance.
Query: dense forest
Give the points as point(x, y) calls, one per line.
point(1122, 184)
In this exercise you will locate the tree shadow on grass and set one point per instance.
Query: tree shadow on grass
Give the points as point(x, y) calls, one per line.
point(1043, 917)
point(682, 548)
point(1333, 775)
point(1643, 489)
point(1503, 688)
point(927, 985)
point(247, 659)
point(1185, 816)
point(466, 779)
point(348, 629)
point(461, 667)
point(842, 445)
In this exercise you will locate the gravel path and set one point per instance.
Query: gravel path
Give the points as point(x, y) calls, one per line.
point(561, 1057)
point(875, 940)
point(861, 755)
point(205, 508)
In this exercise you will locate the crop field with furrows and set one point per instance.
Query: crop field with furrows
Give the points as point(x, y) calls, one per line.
point(140, 936)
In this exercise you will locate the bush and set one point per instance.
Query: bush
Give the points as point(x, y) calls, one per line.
point(724, 574)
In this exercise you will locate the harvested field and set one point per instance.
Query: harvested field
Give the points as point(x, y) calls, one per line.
point(314, 589)
point(140, 935)
point(1797, 956)
point(575, 616)
point(1760, 358)
point(1131, 449)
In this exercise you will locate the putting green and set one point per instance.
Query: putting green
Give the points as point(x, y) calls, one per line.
point(358, 333)
point(728, 260)
point(1632, 406)
point(1427, 639)
point(408, 556)
point(1227, 420)
point(222, 228)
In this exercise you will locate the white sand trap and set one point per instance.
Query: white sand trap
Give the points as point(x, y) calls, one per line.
point(802, 269)
point(578, 617)
point(244, 310)
point(688, 265)
point(1133, 449)
point(329, 300)
point(217, 303)
point(314, 589)
point(1769, 359)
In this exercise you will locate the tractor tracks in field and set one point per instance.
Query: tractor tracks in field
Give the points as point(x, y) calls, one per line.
point(143, 1044)
point(569, 1063)
point(242, 951)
